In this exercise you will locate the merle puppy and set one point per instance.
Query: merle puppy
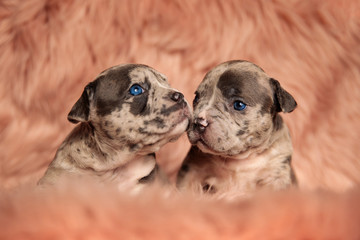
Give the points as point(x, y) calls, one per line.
point(240, 142)
point(125, 115)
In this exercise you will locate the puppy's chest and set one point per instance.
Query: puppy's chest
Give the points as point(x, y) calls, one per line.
point(246, 179)
point(225, 180)
point(131, 174)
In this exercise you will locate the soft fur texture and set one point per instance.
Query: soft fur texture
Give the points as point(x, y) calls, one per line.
point(240, 142)
point(75, 212)
point(51, 48)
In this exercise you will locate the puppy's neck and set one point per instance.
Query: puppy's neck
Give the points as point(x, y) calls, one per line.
point(104, 154)
point(278, 146)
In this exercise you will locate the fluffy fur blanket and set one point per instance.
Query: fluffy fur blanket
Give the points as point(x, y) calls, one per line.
point(51, 48)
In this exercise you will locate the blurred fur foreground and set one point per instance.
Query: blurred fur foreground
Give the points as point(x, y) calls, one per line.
point(80, 211)
point(50, 49)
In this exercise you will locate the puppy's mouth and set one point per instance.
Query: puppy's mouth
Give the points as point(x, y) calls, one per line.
point(184, 115)
point(199, 139)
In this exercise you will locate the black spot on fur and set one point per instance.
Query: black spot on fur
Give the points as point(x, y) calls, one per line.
point(133, 147)
point(184, 168)
point(158, 122)
point(118, 130)
point(240, 132)
point(90, 144)
point(142, 130)
point(167, 111)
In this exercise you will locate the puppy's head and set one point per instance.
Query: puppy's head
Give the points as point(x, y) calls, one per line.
point(236, 109)
point(132, 106)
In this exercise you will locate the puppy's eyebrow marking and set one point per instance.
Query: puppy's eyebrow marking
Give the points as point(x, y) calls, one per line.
point(244, 85)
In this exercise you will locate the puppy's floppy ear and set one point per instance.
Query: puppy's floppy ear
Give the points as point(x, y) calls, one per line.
point(81, 109)
point(283, 101)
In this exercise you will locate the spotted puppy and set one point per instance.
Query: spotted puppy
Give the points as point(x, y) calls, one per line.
point(126, 114)
point(240, 142)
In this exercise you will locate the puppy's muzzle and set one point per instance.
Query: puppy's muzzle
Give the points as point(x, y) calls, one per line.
point(200, 124)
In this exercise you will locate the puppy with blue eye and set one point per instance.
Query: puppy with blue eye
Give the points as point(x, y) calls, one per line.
point(125, 115)
point(240, 143)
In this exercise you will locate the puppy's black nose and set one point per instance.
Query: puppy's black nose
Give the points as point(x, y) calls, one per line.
point(200, 124)
point(177, 96)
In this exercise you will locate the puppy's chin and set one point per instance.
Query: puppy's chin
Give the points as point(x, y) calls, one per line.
point(203, 146)
point(177, 129)
point(206, 148)
point(201, 142)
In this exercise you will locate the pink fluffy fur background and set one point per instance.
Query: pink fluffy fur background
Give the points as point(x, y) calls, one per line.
point(50, 49)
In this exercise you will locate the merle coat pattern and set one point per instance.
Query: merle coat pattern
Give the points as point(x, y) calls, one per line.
point(240, 142)
point(125, 115)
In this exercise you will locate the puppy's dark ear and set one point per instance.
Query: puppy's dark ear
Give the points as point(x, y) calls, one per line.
point(81, 109)
point(284, 102)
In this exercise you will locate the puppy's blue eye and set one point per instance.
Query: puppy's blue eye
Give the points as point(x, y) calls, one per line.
point(239, 106)
point(136, 90)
